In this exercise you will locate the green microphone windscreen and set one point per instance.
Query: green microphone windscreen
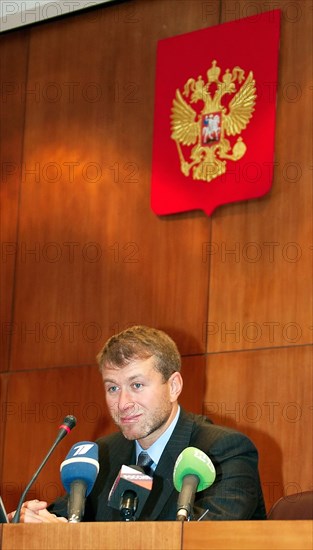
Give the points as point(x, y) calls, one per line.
point(194, 461)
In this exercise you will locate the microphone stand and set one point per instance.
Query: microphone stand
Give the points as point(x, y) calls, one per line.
point(68, 423)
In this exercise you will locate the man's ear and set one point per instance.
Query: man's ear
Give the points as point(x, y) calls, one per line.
point(176, 385)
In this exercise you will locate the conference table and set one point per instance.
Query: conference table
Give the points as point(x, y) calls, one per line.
point(167, 535)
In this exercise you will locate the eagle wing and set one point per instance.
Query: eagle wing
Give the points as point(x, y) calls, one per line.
point(183, 125)
point(241, 107)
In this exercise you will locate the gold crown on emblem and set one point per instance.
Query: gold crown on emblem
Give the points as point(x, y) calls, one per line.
point(204, 130)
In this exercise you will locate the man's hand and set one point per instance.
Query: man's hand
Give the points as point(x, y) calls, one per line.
point(35, 511)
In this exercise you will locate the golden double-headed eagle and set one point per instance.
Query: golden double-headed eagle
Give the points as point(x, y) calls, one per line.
point(205, 130)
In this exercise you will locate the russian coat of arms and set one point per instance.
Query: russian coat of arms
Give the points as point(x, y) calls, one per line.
point(227, 107)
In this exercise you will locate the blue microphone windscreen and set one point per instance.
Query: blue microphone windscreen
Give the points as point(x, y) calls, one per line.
point(81, 463)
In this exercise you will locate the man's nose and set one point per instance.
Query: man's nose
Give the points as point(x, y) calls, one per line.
point(125, 401)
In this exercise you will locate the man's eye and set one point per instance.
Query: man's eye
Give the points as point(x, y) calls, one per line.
point(137, 385)
point(112, 389)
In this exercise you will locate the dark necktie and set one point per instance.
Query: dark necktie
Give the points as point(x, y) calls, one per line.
point(145, 462)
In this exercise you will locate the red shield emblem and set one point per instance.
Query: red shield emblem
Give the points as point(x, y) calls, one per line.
point(214, 122)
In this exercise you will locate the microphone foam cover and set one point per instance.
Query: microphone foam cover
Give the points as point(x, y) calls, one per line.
point(194, 461)
point(81, 463)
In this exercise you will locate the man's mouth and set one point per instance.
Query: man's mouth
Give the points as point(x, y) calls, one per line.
point(131, 419)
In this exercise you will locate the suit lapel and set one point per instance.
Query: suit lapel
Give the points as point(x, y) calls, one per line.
point(163, 486)
point(121, 452)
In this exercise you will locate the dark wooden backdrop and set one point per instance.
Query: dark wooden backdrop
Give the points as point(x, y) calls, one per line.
point(83, 256)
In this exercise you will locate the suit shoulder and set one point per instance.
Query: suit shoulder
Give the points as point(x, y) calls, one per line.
point(110, 441)
point(110, 438)
point(204, 430)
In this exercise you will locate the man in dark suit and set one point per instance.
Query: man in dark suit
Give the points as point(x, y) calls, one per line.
point(140, 368)
point(235, 494)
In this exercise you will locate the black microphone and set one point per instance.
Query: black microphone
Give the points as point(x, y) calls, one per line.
point(68, 424)
point(128, 505)
point(130, 491)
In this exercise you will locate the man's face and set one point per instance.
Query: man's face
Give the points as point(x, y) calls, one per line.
point(139, 400)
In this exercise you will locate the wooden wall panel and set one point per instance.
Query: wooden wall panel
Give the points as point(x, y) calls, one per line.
point(268, 395)
point(3, 401)
point(14, 55)
point(193, 373)
point(261, 261)
point(96, 258)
